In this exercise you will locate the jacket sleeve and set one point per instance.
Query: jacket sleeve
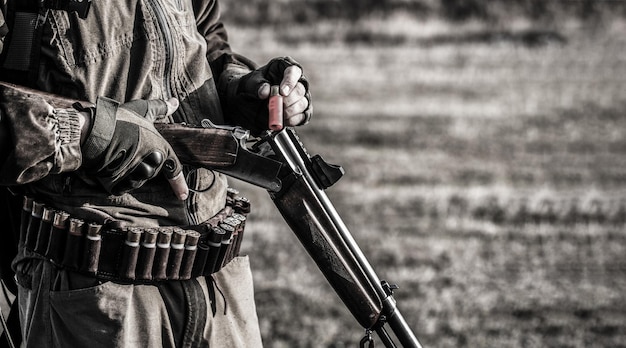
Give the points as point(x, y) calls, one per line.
point(226, 65)
point(36, 139)
point(219, 53)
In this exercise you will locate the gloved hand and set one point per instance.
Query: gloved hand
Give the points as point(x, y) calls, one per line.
point(123, 149)
point(246, 96)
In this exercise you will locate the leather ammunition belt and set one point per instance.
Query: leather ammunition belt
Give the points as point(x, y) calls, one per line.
point(135, 254)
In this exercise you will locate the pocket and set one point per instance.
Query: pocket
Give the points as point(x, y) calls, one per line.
point(96, 39)
point(90, 317)
point(236, 275)
point(23, 277)
point(235, 283)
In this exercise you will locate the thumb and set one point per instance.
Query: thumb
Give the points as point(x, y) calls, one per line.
point(172, 106)
point(158, 108)
point(264, 91)
point(152, 109)
point(254, 85)
point(173, 170)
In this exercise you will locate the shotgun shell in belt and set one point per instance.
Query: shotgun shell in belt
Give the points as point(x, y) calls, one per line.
point(27, 208)
point(177, 249)
point(239, 217)
point(145, 261)
point(60, 219)
point(236, 224)
point(27, 204)
point(242, 205)
point(43, 237)
point(76, 227)
point(92, 248)
point(130, 253)
point(133, 236)
point(159, 269)
point(191, 249)
point(33, 225)
point(58, 234)
point(240, 229)
point(93, 231)
point(191, 242)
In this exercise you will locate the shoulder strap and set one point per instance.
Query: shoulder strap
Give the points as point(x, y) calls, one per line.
point(19, 61)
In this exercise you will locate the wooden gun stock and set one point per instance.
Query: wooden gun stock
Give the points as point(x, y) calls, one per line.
point(201, 147)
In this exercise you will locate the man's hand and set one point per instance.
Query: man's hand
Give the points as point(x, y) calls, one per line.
point(247, 95)
point(295, 101)
point(124, 150)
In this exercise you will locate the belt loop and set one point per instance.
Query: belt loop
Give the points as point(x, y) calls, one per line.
point(240, 231)
point(214, 241)
point(93, 243)
point(227, 240)
point(201, 259)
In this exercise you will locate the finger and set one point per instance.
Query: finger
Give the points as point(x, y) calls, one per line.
point(173, 171)
point(158, 108)
point(172, 106)
point(296, 108)
point(291, 76)
point(295, 96)
point(264, 91)
point(179, 186)
point(295, 120)
point(299, 119)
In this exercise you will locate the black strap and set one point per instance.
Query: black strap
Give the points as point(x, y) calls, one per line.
point(81, 7)
point(19, 60)
point(20, 57)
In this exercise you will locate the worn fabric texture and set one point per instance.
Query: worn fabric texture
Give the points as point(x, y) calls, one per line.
point(51, 145)
point(112, 315)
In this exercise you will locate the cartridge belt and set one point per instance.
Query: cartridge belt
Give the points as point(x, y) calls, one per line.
point(135, 254)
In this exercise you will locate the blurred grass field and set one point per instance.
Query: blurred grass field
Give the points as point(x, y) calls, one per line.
point(486, 176)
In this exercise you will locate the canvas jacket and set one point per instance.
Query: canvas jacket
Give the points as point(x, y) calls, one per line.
point(124, 50)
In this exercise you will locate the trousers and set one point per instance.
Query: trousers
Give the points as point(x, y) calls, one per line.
point(60, 308)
